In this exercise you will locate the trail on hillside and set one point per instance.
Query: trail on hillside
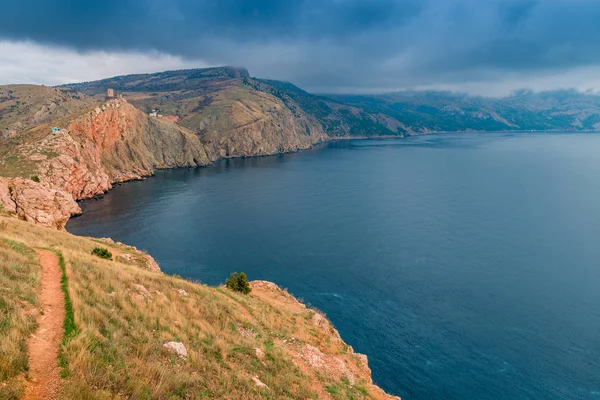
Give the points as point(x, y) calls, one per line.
point(44, 376)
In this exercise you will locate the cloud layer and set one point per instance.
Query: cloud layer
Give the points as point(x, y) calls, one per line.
point(335, 45)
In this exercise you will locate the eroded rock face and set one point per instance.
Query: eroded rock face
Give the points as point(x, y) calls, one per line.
point(36, 203)
point(117, 143)
point(77, 169)
point(112, 143)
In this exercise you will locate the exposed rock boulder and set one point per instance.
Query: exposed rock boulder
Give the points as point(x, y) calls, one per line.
point(181, 292)
point(326, 364)
point(259, 383)
point(259, 353)
point(36, 203)
point(151, 263)
point(141, 289)
point(176, 348)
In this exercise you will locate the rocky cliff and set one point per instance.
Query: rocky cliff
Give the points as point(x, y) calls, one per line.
point(116, 142)
point(35, 203)
point(89, 151)
point(84, 152)
point(317, 347)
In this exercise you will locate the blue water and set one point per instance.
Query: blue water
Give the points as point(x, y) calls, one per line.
point(466, 266)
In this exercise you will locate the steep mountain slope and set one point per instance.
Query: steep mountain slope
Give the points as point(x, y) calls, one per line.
point(337, 119)
point(124, 311)
point(242, 116)
point(566, 110)
point(238, 115)
point(233, 119)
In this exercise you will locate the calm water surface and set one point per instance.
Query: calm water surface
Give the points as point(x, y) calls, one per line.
point(466, 266)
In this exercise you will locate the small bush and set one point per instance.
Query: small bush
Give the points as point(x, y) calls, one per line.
point(102, 253)
point(238, 283)
point(35, 178)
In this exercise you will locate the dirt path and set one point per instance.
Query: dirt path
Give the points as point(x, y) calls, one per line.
point(44, 344)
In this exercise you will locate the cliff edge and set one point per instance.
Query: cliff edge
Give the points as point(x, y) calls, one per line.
point(135, 332)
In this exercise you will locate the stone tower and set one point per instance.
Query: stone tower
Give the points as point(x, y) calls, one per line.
point(110, 93)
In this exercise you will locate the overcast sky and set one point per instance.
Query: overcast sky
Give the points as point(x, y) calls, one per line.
point(489, 47)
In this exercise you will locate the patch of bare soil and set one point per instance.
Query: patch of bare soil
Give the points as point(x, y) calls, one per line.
point(44, 377)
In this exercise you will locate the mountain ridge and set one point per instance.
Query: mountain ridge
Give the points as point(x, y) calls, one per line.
point(72, 139)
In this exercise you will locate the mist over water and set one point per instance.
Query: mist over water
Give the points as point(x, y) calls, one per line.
point(466, 266)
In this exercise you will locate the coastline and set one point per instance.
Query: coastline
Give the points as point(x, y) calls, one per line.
point(257, 334)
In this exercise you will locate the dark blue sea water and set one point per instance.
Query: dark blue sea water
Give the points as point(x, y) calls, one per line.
point(466, 266)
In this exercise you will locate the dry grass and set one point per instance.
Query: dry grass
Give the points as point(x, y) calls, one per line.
point(117, 351)
point(25, 106)
point(19, 279)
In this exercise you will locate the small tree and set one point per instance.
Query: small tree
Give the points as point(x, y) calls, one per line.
point(238, 283)
point(102, 253)
point(35, 178)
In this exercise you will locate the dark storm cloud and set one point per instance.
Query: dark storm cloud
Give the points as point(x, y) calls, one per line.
point(331, 44)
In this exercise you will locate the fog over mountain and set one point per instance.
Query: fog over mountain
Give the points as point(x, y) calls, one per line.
point(331, 46)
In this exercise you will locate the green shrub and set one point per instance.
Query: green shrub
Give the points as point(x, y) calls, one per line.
point(238, 282)
point(35, 178)
point(102, 253)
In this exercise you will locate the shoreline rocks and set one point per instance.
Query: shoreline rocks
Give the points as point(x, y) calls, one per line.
point(35, 203)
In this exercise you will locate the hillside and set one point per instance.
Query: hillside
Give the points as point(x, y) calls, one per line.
point(122, 312)
point(224, 105)
point(566, 110)
point(24, 106)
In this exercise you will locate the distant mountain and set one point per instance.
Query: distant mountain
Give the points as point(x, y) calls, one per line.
point(215, 102)
point(430, 111)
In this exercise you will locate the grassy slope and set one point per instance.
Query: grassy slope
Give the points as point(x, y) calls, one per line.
point(117, 350)
point(39, 109)
point(25, 106)
point(19, 278)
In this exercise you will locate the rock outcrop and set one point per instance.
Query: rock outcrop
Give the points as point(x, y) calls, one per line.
point(115, 143)
point(83, 158)
point(320, 351)
point(36, 203)
point(130, 144)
